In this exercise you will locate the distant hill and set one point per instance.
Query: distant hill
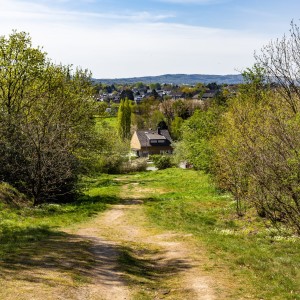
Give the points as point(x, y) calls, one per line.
point(177, 79)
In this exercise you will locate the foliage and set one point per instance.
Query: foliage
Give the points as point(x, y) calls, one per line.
point(12, 198)
point(176, 125)
point(257, 155)
point(137, 165)
point(197, 132)
point(112, 150)
point(147, 114)
point(155, 95)
point(46, 121)
point(126, 94)
point(155, 86)
point(161, 162)
point(124, 119)
point(189, 92)
point(178, 108)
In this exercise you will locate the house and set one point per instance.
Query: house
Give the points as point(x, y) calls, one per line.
point(148, 142)
point(176, 95)
point(209, 95)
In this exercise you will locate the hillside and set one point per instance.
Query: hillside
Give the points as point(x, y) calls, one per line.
point(177, 79)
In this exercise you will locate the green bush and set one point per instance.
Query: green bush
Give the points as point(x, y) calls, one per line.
point(137, 165)
point(162, 161)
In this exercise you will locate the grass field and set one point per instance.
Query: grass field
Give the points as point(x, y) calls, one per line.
point(266, 261)
point(111, 121)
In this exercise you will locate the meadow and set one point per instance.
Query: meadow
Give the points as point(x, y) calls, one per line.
point(265, 261)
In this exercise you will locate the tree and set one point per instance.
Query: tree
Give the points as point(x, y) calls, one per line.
point(181, 109)
point(126, 93)
point(46, 121)
point(213, 86)
point(176, 128)
point(124, 119)
point(155, 86)
point(154, 94)
point(280, 60)
point(112, 151)
point(256, 153)
point(140, 85)
point(197, 132)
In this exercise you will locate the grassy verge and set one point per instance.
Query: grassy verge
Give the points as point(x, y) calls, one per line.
point(21, 227)
point(265, 260)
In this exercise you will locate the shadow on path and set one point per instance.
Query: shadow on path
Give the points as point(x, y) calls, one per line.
point(86, 259)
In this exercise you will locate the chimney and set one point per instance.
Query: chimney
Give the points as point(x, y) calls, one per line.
point(158, 130)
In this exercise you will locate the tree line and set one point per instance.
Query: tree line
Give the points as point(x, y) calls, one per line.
point(251, 143)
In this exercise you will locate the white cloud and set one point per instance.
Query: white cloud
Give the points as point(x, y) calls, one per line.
point(33, 11)
point(199, 2)
point(125, 48)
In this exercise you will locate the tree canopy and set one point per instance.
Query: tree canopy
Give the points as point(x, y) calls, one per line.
point(46, 120)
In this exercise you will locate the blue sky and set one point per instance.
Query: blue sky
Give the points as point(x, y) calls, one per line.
point(115, 38)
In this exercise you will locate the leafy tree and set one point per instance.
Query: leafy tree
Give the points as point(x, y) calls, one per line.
point(213, 86)
point(257, 155)
point(155, 86)
point(112, 151)
point(162, 125)
point(176, 128)
point(126, 93)
point(46, 120)
point(181, 109)
point(140, 85)
point(146, 114)
point(154, 94)
point(124, 119)
point(197, 132)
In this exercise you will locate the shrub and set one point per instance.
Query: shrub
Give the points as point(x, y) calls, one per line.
point(162, 161)
point(137, 165)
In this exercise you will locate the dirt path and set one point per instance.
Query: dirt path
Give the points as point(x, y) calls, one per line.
point(116, 255)
point(133, 258)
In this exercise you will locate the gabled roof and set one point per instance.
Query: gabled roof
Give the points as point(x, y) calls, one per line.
point(145, 136)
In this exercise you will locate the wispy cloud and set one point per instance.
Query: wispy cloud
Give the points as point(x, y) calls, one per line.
point(198, 2)
point(36, 11)
point(112, 45)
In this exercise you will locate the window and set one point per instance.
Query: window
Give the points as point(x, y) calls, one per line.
point(153, 141)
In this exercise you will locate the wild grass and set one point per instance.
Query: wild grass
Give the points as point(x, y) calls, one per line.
point(110, 121)
point(23, 226)
point(266, 260)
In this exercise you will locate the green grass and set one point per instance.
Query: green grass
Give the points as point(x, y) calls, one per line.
point(20, 227)
point(267, 261)
point(110, 121)
point(34, 240)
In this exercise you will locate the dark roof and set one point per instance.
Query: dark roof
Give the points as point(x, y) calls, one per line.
point(210, 94)
point(145, 136)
